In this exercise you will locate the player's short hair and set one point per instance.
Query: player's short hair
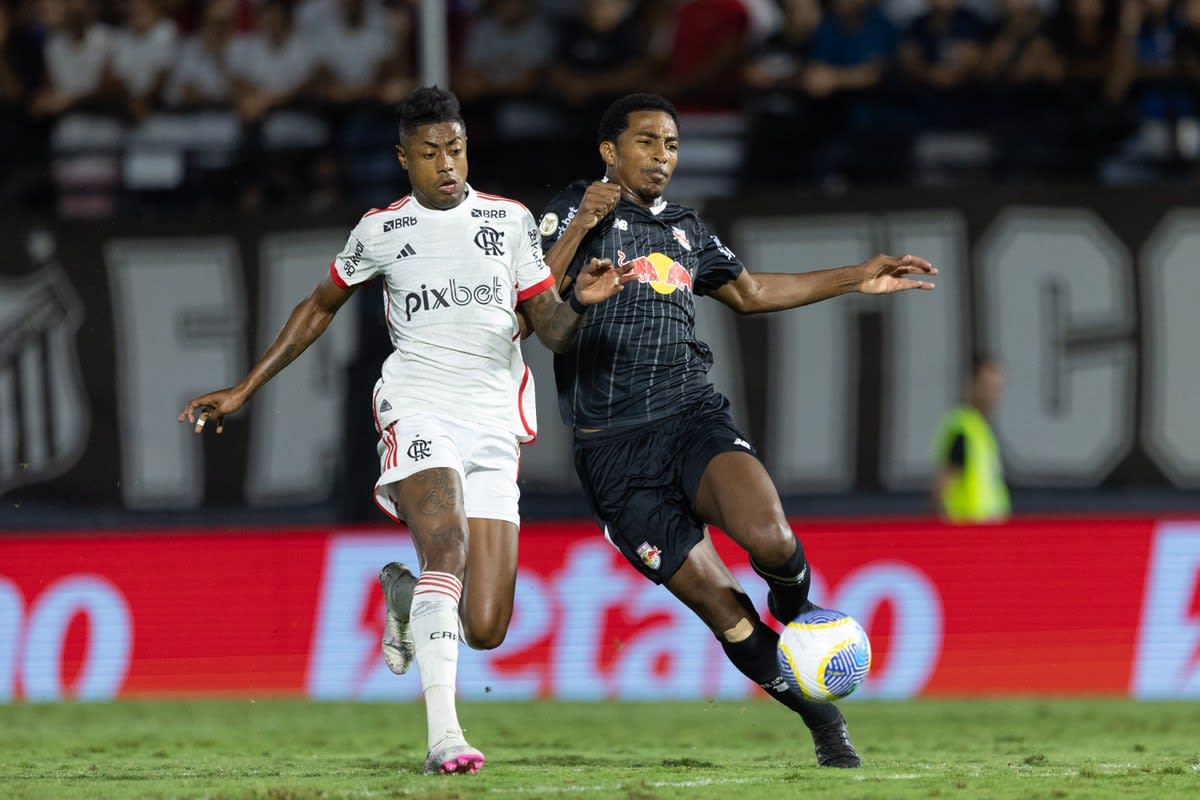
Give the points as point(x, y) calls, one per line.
point(427, 105)
point(616, 118)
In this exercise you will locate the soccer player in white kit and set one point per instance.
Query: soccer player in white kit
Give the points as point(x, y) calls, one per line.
point(454, 400)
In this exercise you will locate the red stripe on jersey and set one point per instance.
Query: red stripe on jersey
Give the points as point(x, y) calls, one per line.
point(392, 207)
point(335, 277)
point(521, 406)
point(395, 448)
point(487, 196)
point(536, 289)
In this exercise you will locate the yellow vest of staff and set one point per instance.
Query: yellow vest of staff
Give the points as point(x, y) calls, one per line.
point(978, 494)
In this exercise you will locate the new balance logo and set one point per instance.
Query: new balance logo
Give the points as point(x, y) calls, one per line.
point(407, 251)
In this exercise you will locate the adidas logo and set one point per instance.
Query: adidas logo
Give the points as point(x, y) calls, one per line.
point(385, 406)
point(407, 251)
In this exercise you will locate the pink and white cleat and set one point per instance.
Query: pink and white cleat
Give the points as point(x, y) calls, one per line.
point(453, 756)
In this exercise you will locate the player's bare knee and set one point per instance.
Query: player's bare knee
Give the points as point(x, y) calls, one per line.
point(739, 632)
point(487, 638)
point(774, 544)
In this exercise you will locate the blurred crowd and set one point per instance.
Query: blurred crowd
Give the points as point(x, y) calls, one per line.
point(137, 104)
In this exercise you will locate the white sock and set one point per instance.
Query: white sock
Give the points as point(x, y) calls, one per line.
point(435, 625)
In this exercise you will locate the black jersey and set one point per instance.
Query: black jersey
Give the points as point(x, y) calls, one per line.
point(637, 358)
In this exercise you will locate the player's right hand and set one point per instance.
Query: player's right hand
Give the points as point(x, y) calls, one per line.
point(211, 407)
point(598, 202)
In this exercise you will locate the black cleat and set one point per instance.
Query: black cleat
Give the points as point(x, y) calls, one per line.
point(834, 748)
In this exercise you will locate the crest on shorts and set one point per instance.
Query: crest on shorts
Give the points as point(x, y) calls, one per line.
point(419, 449)
point(651, 556)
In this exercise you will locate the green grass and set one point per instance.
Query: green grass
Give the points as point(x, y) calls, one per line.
point(298, 750)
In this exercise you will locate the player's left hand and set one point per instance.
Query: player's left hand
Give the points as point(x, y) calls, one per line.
point(885, 274)
point(600, 280)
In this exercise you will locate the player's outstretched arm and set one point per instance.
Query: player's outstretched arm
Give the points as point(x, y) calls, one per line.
point(778, 291)
point(556, 321)
point(307, 322)
point(598, 201)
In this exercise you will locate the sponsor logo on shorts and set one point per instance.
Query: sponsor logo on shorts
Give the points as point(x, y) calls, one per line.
point(651, 556)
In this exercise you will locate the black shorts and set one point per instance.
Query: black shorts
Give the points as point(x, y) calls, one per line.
point(641, 484)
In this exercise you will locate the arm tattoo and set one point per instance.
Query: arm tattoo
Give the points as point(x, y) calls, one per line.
point(554, 321)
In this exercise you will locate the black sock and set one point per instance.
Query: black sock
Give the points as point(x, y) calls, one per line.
point(755, 658)
point(789, 584)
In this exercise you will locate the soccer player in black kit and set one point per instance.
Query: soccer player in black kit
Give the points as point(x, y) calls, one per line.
point(655, 446)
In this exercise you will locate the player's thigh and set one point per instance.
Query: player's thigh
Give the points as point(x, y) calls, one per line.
point(737, 495)
point(431, 502)
point(491, 581)
point(705, 584)
point(491, 461)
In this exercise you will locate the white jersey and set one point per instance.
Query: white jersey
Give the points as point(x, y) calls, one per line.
point(452, 281)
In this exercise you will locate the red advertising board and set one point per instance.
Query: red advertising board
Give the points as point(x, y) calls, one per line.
point(1031, 607)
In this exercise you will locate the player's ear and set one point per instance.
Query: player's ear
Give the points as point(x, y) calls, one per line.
point(608, 153)
point(402, 157)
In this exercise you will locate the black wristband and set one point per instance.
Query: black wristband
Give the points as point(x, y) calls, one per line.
point(575, 305)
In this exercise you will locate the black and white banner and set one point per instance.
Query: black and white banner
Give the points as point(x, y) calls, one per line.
point(1088, 296)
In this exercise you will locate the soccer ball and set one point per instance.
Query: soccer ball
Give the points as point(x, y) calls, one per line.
point(824, 654)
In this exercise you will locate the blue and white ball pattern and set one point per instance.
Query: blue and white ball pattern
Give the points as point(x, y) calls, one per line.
point(824, 654)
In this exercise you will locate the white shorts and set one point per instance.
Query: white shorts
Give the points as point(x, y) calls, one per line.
point(486, 461)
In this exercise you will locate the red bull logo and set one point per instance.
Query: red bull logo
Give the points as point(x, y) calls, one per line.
point(663, 273)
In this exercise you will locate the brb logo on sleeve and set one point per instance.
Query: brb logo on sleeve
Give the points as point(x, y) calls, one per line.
point(431, 298)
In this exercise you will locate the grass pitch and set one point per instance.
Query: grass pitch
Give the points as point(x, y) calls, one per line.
point(300, 750)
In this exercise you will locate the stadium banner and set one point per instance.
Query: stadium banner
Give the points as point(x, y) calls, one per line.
point(1034, 607)
point(108, 327)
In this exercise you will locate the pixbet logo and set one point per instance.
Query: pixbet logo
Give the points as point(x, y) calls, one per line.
point(580, 631)
point(430, 298)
